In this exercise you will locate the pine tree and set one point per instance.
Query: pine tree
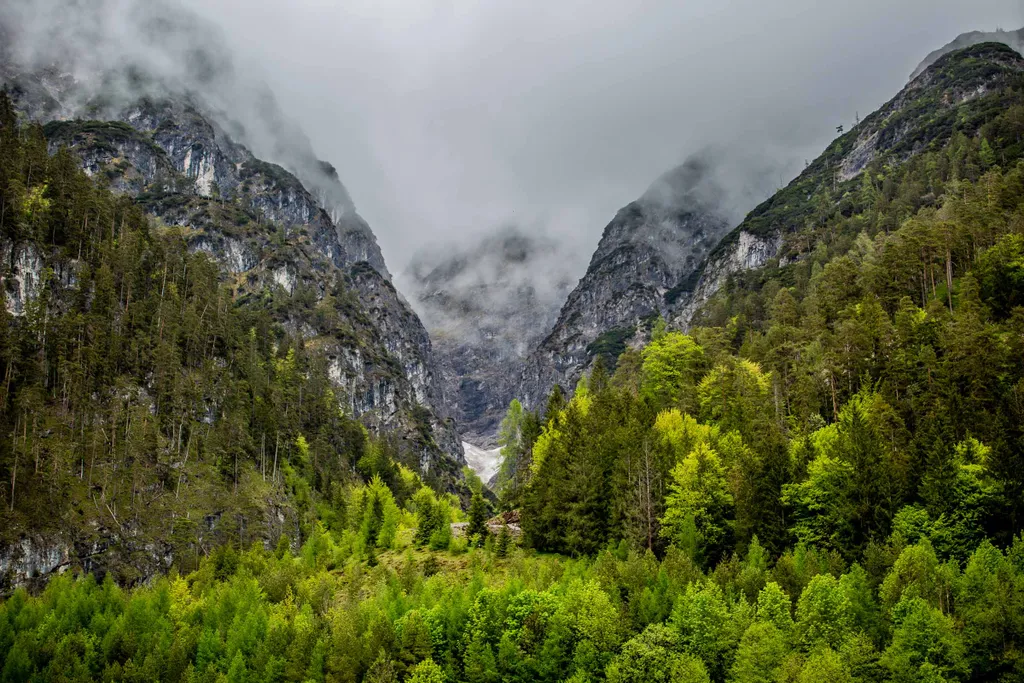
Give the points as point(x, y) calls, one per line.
point(477, 518)
point(987, 154)
point(501, 546)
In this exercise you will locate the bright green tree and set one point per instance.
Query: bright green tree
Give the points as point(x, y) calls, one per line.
point(824, 615)
point(760, 655)
point(478, 518)
point(672, 366)
point(699, 499)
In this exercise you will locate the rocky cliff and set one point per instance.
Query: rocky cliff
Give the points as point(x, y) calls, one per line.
point(1013, 39)
point(954, 96)
point(486, 306)
point(289, 237)
point(645, 260)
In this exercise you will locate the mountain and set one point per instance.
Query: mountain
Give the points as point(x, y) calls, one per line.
point(1014, 39)
point(853, 328)
point(486, 306)
point(287, 241)
point(840, 429)
point(956, 96)
point(185, 169)
point(647, 255)
point(668, 252)
point(121, 52)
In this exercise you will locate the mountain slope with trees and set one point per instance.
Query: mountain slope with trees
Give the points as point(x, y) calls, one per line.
point(820, 479)
point(651, 245)
point(1013, 39)
point(955, 98)
point(155, 411)
point(890, 344)
point(268, 230)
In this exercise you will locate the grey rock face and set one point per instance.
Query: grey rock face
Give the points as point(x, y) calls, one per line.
point(899, 130)
point(751, 251)
point(269, 233)
point(125, 550)
point(25, 265)
point(486, 307)
point(647, 255)
point(32, 557)
point(1014, 39)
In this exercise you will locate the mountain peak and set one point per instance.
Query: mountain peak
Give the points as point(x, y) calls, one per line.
point(486, 304)
point(1012, 39)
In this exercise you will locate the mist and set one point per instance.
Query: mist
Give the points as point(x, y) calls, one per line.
point(119, 51)
point(503, 289)
point(447, 120)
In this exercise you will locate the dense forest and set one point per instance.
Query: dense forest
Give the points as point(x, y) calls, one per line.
point(138, 390)
point(822, 480)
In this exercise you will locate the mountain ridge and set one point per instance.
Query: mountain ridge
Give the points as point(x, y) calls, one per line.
point(1013, 39)
point(486, 304)
point(174, 152)
point(601, 317)
point(649, 247)
point(897, 131)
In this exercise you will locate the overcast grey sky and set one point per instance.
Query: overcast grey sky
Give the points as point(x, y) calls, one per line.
point(452, 117)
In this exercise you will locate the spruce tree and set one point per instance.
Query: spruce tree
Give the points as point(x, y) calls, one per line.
point(502, 544)
point(478, 518)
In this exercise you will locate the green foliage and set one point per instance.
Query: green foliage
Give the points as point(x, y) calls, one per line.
point(655, 656)
point(925, 645)
point(760, 656)
point(517, 434)
point(256, 613)
point(1000, 272)
point(822, 481)
point(503, 543)
point(825, 666)
point(478, 513)
point(610, 345)
point(708, 628)
point(671, 367)
point(433, 518)
point(374, 514)
point(426, 672)
point(824, 614)
point(699, 499)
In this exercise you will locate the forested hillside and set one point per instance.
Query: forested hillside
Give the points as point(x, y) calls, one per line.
point(151, 415)
point(205, 148)
point(821, 480)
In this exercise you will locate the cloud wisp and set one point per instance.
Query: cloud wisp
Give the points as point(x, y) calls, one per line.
point(449, 118)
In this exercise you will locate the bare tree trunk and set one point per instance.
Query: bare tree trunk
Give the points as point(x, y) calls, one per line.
point(949, 279)
point(188, 451)
point(14, 470)
point(835, 402)
point(277, 445)
point(647, 495)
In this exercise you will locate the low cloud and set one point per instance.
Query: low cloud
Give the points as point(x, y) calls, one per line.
point(449, 119)
point(121, 50)
point(504, 290)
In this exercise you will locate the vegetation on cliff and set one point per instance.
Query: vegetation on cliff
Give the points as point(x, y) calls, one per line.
point(823, 481)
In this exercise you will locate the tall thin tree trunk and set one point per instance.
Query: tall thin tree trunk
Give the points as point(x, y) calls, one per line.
point(277, 445)
point(14, 470)
point(949, 279)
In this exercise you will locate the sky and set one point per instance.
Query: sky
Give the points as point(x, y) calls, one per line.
point(449, 119)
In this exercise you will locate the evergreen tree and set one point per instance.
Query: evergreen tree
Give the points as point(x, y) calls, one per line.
point(477, 518)
point(501, 546)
